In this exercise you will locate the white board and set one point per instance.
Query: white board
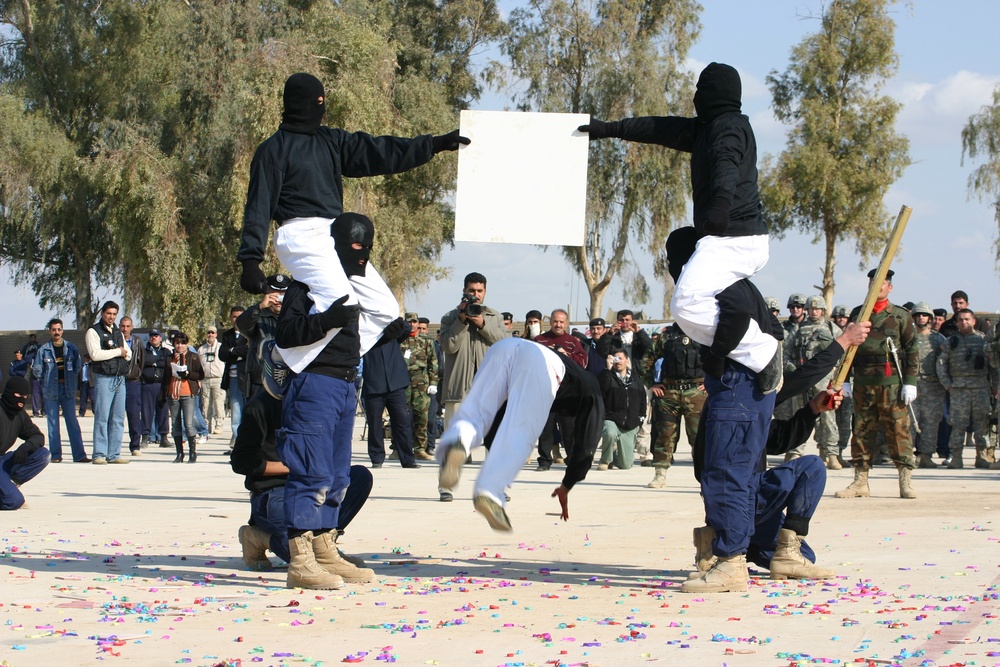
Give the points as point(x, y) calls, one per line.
point(523, 179)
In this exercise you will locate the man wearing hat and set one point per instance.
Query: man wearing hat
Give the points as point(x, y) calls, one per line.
point(928, 408)
point(773, 305)
point(882, 390)
point(20, 465)
point(421, 362)
point(213, 400)
point(595, 362)
point(796, 316)
point(841, 317)
point(259, 323)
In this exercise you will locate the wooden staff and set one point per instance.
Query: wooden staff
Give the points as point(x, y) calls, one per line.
point(873, 290)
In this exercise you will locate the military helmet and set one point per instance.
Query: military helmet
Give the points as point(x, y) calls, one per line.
point(840, 311)
point(922, 307)
point(797, 300)
point(816, 302)
point(772, 303)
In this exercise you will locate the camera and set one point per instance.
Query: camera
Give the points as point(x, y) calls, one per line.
point(472, 308)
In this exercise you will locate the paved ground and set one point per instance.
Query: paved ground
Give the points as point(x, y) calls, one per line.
point(139, 564)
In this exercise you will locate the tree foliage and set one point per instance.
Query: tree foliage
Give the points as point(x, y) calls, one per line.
point(981, 138)
point(127, 128)
point(610, 59)
point(842, 152)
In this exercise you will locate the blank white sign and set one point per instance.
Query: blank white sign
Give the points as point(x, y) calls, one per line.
point(523, 179)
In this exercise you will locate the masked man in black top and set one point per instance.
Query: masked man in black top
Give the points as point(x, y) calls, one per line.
point(23, 464)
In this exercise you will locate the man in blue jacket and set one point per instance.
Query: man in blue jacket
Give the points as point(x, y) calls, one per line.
point(57, 367)
point(385, 381)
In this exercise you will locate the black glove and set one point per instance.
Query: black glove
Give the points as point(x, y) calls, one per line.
point(394, 330)
point(597, 129)
point(448, 142)
point(253, 279)
point(717, 216)
point(339, 315)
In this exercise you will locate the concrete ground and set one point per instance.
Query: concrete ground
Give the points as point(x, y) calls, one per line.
point(140, 564)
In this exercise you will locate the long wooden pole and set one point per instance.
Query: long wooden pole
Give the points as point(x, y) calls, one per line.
point(873, 289)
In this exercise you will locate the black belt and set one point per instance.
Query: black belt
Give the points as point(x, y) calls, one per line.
point(345, 374)
point(682, 384)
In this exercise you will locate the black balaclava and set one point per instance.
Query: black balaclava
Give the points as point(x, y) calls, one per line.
point(680, 246)
point(719, 91)
point(13, 404)
point(351, 228)
point(305, 104)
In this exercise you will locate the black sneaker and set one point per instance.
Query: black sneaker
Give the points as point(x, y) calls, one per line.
point(276, 374)
point(771, 377)
point(410, 465)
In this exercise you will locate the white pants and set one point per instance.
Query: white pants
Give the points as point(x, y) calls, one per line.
point(524, 374)
point(717, 263)
point(308, 252)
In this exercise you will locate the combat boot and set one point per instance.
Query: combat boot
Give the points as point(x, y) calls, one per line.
point(925, 461)
point(328, 557)
point(905, 487)
point(789, 563)
point(704, 559)
point(832, 462)
point(659, 479)
point(792, 455)
point(304, 571)
point(858, 488)
point(728, 575)
point(255, 543)
point(984, 457)
point(956, 459)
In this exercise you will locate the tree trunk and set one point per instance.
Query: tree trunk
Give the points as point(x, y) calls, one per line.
point(597, 301)
point(830, 264)
point(84, 298)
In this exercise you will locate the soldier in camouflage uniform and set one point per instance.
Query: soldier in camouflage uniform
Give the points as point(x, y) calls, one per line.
point(882, 393)
point(421, 362)
point(675, 380)
point(796, 316)
point(929, 406)
point(813, 336)
point(841, 317)
point(966, 374)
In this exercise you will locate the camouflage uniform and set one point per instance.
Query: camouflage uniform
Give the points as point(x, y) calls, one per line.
point(811, 338)
point(929, 406)
point(421, 361)
point(846, 410)
point(794, 404)
point(677, 366)
point(876, 386)
point(964, 371)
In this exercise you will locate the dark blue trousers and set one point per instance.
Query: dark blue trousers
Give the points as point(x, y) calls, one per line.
point(150, 395)
point(314, 441)
point(13, 474)
point(736, 420)
point(793, 488)
point(267, 509)
point(399, 418)
point(133, 413)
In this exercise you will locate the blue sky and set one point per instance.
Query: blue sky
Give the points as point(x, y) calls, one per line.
point(949, 65)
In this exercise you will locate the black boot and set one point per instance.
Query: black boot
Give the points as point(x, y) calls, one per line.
point(192, 451)
point(179, 446)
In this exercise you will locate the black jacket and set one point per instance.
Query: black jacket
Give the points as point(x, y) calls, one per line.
point(723, 163)
point(385, 368)
point(233, 350)
point(255, 443)
point(154, 361)
point(21, 427)
point(300, 175)
point(297, 326)
point(258, 326)
point(609, 342)
point(624, 400)
point(579, 396)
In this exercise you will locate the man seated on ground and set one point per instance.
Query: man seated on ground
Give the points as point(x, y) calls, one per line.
point(255, 455)
point(624, 408)
point(21, 465)
point(519, 383)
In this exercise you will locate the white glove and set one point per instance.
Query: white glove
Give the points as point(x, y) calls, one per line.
point(178, 369)
point(431, 390)
point(845, 389)
point(909, 394)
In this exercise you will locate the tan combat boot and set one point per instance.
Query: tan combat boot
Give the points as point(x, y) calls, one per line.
point(984, 457)
point(304, 571)
point(925, 461)
point(956, 459)
point(832, 462)
point(789, 563)
point(905, 484)
point(659, 479)
point(255, 543)
point(728, 575)
point(858, 488)
point(328, 557)
point(704, 559)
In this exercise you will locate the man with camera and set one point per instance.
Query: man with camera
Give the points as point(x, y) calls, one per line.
point(259, 323)
point(466, 333)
